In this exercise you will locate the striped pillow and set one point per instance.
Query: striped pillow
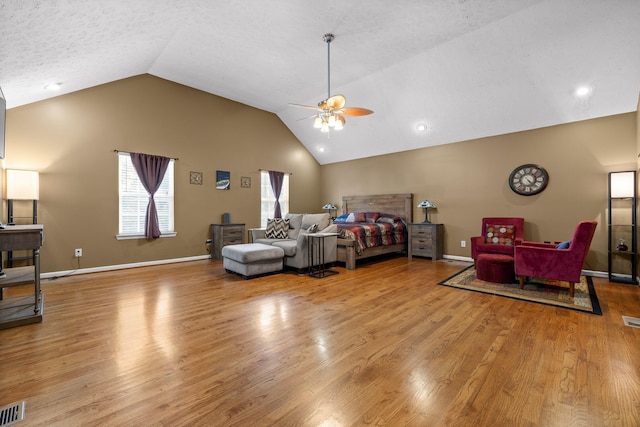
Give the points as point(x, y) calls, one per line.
point(277, 228)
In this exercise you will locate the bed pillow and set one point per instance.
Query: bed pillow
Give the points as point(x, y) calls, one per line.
point(499, 234)
point(372, 216)
point(357, 217)
point(341, 218)
point(277, 228)
point(389, 218)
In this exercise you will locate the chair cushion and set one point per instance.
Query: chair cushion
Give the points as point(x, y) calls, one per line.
point(295, 224)
point(277, 228)
point(499, 234)
point(322, 219)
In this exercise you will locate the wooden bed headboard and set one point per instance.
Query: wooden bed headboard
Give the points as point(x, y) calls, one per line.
point(397, 204)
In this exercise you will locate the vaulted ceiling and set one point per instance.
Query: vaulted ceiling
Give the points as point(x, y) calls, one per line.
point(464, 68)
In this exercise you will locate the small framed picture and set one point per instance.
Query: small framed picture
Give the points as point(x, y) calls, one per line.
point(195, 178)
point(223, 180)
point(245, 181)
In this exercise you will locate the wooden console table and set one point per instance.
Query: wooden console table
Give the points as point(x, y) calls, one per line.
point(21, 310)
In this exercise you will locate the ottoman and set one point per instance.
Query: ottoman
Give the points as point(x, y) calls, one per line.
point(496, 268)
point(252, 259)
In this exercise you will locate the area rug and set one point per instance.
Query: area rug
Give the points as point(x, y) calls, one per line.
point(539, 291)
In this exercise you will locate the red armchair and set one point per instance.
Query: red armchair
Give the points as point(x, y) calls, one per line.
point(493, 241)
point(544, 260)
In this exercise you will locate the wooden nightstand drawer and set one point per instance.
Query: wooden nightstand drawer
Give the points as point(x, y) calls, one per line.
point(426, 239)
point(223, 235)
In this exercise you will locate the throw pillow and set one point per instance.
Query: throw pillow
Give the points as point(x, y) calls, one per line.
point(313, 228)
point(277, 228)
point(500, 234)
point(564, 245)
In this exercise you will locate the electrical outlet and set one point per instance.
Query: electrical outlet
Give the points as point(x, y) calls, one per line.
point(78, 253)
point(463, 243)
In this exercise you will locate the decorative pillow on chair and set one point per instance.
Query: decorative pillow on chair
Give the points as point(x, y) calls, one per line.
point(500, 234)
point(564, 245)
point(277, 228)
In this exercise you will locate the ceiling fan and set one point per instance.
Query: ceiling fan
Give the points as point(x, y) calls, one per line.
point(331, 111)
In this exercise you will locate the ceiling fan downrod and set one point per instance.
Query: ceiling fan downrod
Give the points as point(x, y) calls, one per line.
point(328, 38)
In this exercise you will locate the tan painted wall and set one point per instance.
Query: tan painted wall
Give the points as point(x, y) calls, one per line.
point(468, 180)
point(71, 139)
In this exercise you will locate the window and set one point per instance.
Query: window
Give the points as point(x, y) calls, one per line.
point(133, 201)
point(268, 199)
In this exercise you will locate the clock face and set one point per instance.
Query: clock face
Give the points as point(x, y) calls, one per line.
point(528, 180)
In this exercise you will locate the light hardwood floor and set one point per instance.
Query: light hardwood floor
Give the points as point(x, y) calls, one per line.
point(189, 345)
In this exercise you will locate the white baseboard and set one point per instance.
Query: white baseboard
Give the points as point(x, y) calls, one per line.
point(55, 274)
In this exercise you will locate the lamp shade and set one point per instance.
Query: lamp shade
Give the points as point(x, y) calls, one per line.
point(329, 206)
point(426, 204)
point(622, 184)
point(22, 185)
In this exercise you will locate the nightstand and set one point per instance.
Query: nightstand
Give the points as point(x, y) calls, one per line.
point(223, 235)
point(426, 239)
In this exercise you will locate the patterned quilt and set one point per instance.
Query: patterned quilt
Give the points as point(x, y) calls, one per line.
point(368, 235)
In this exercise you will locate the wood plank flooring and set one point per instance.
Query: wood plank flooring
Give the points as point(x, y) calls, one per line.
point(190, 345)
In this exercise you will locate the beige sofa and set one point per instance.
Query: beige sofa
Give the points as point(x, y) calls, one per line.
point(296, 251)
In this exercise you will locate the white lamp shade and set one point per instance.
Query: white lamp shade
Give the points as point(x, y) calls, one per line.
point(622, 184)
point(22, 185)
point(426, 204)
point(329, 206)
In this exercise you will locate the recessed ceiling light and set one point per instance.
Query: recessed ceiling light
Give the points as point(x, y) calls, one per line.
point(321, 149)
point(421, 127)
point(583, 91)
point(53, 86)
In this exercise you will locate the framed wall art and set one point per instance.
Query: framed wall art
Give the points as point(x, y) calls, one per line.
point(195, 178)
point(223, 180)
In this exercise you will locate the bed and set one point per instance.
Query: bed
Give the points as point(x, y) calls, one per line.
point(401, 205)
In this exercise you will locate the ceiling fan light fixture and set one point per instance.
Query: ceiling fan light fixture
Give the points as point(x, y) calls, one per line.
point(331, 111)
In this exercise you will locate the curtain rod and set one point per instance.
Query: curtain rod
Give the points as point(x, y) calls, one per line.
point(129, 152)
point(267, 170)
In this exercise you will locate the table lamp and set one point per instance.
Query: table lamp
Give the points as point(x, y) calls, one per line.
point(426, 205)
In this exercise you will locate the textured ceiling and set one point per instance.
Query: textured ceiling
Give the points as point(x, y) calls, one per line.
point(466, 68)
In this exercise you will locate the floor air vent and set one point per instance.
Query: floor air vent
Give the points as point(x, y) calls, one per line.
point(634, 322)
point(11, 414)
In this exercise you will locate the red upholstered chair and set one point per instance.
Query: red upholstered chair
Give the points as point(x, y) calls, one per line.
point(493, 241)
point(544, 260)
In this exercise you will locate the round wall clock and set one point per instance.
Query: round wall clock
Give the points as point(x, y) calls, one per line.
point(528, 180)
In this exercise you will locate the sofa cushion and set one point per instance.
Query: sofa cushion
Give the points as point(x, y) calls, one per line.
point(288, 246)
point(500, 234)
point(321, 219)
point(277, 228)
point(295, 223)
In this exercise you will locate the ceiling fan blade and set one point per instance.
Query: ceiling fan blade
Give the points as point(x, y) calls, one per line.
point(308, 107)
point(336, 102)
point(355, 111)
